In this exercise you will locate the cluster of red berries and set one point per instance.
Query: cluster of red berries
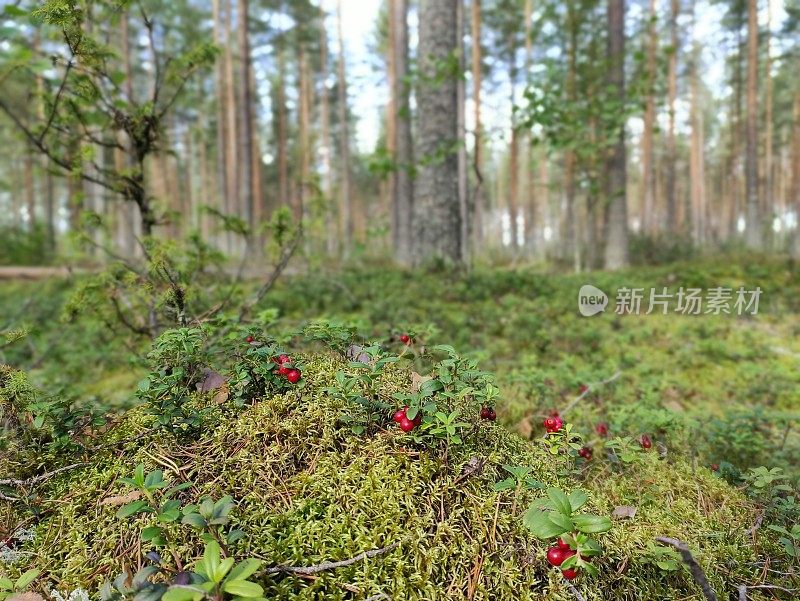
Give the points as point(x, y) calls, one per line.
point(488, 413)
point(553, 423)
point(406, 425)
point(645, 441)
point(558, 555)
point(586, 453)
point(290, 373)
point(405, 339)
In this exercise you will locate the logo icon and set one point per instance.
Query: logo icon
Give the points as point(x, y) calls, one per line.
point(591, 300)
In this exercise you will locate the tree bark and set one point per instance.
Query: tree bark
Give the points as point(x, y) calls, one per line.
point(672, 94)
point(344, 142)
point(768, 194)
point(794, 169)
point(404, 185)
point(461, 118)
point(531, 208)
point(231, 108)
point(571, 245)
point(616, 249)
point(332, 231)
point(648, 171)
point(437, 216)
point(477, 152)
point(245, 114)
point(513, 152)
point(753, 226)
point(697, 173)
point(283, 160)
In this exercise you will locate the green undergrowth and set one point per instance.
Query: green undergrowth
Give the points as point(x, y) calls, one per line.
point(308, 490)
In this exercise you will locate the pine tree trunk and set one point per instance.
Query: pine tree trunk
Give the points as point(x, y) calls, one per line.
point(403, 189)
point(672, 94)
point(259, 209)
point(753, 227)
point(245, 114)
point(222, 161)
point(616, 249)
point(437, 214)
point(30, 189)
point(697, 174)
point(513, 154)
point(461, 119)
point(477, 152)
point(794, 170)
point(570, 243)
point(331, 229)
point(232, 152)
point(283, 160)
point(344, 142)
point(768, 195)
point(648, 170)
point(531, 209)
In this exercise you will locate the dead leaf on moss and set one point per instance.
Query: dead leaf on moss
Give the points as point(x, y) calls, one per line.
point(525, 428)
point(222, 395)
point(623, 511)
point(26, 597)
point(121, 499)
point(211, 381)
point(417, 381)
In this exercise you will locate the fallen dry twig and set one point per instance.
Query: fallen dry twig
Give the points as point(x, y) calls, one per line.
point(694, 568)
point(40, 478)
point(330, 565)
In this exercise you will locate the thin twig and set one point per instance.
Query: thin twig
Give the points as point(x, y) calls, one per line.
point(694, 568)
point(40, 478)
point(330, 565)
point(589, 389)
point(575, 592)
point(286, 255)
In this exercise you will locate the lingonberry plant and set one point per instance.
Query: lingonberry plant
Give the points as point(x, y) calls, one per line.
point(520, 479)
point(557, 517)
point(177, 361)
point(359, 386)
point(16, 588)
point(264, 368)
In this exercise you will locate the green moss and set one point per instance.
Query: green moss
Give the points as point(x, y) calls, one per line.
point(308, 490)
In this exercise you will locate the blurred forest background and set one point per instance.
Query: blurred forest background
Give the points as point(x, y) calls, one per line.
point(520, 129)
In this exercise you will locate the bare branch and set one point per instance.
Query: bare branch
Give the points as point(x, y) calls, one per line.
point(54, 109)
point(330, 565)
point(694, 568)
point(590, 388)
point(286, 255)
point(40, 478)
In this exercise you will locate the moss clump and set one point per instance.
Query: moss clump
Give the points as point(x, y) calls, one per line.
point(308, 490)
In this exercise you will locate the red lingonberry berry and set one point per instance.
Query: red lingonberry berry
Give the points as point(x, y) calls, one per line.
point(601, 428)
point(492, 414)
point(714, 467)
point(583, 388)
point(284, 359)
point(550, 424)
point(484, 413)
point(405, 338)
point(406, 425)
point(250, 339)
point(284, 371)
point(399, 415)
point(569, 573)
point(645, 441)
point(294, 376)
point(555, 556)
point(562, 545)
point(586, 453)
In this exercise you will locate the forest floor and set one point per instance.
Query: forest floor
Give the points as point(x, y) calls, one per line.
point(718, 395)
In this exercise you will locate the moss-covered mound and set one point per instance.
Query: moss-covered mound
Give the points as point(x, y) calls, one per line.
point(308, 490)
